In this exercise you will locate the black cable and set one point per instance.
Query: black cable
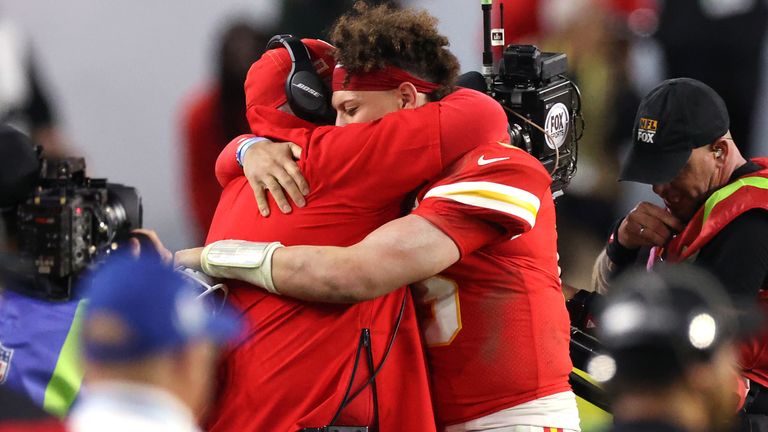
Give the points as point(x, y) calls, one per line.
point(386, 353)
point(369, 352)
point(351, 380)
point(346, 400)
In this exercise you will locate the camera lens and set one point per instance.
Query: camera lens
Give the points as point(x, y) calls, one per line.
point(123, 210)
point(519, 138)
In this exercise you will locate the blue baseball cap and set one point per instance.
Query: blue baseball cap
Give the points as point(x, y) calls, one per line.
point(139, 307)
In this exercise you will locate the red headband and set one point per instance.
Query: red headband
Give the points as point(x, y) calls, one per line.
point(386, 78)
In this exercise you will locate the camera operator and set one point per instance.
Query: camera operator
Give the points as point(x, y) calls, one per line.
point(39, 312)
point(37, 339)
point(462, 228)
point(670, 340)
point(716, 205)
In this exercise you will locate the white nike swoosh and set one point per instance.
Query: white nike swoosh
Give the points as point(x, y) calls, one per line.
point(483, 161)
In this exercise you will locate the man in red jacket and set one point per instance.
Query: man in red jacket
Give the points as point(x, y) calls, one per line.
point(293, 369)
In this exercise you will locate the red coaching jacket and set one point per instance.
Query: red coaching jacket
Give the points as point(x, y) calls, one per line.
point(295, 363)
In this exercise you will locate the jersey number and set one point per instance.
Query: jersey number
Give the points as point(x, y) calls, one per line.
point(441, 295)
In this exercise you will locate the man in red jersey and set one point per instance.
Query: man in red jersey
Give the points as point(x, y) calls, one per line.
point(495, 319)
point(293, 368)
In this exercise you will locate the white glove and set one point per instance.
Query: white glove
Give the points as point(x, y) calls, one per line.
point(242, 260)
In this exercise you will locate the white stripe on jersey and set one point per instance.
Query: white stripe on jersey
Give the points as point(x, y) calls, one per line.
point(507, 199)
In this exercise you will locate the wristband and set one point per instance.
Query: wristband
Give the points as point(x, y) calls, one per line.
point(242, 260)
point(244, 146)
point(617, 253)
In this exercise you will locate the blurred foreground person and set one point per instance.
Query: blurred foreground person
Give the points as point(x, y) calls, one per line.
point(671, 355)
point(149, 347)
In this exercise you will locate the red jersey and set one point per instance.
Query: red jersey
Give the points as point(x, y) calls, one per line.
point(495, 322)
point(294, 366)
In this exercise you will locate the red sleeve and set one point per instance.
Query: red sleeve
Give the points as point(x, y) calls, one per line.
point(227, 168)
point(387, 158)
point(469, 234)
point(492, 194)
point(463, 119)
point(469, 118)
point(363, 163)
point(466, 119)
point(279, 126)
point(265, 122)
point(332, 154)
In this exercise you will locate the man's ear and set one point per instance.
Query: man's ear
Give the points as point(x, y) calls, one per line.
point(720, 149)
point(408, 95)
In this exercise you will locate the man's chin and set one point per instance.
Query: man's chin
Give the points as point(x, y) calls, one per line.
point(684, 215)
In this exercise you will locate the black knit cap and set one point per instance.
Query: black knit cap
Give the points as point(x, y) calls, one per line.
point(674, 118)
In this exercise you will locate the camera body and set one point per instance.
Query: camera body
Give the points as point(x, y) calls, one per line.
point(70, 222)
point(532, 87)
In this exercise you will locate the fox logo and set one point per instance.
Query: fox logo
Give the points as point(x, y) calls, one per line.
point(647, 130)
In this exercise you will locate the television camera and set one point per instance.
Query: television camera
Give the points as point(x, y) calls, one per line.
point(63, 221)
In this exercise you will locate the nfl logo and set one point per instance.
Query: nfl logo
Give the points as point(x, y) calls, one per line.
point(5, 362)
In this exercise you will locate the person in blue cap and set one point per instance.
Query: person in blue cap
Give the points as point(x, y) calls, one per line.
point(149, 347)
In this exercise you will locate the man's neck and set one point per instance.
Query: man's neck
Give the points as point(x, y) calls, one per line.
point(730, 166)
point(674, 407)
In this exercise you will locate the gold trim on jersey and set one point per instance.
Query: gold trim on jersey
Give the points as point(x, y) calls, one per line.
point(509, 146)
point(494, 196)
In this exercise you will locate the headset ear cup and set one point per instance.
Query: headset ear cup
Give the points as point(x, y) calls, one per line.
point(324, 112)
point(308, 97)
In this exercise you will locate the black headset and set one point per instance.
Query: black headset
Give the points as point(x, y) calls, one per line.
point(308, 97)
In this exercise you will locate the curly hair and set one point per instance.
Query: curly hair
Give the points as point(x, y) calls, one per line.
point(368, 38)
